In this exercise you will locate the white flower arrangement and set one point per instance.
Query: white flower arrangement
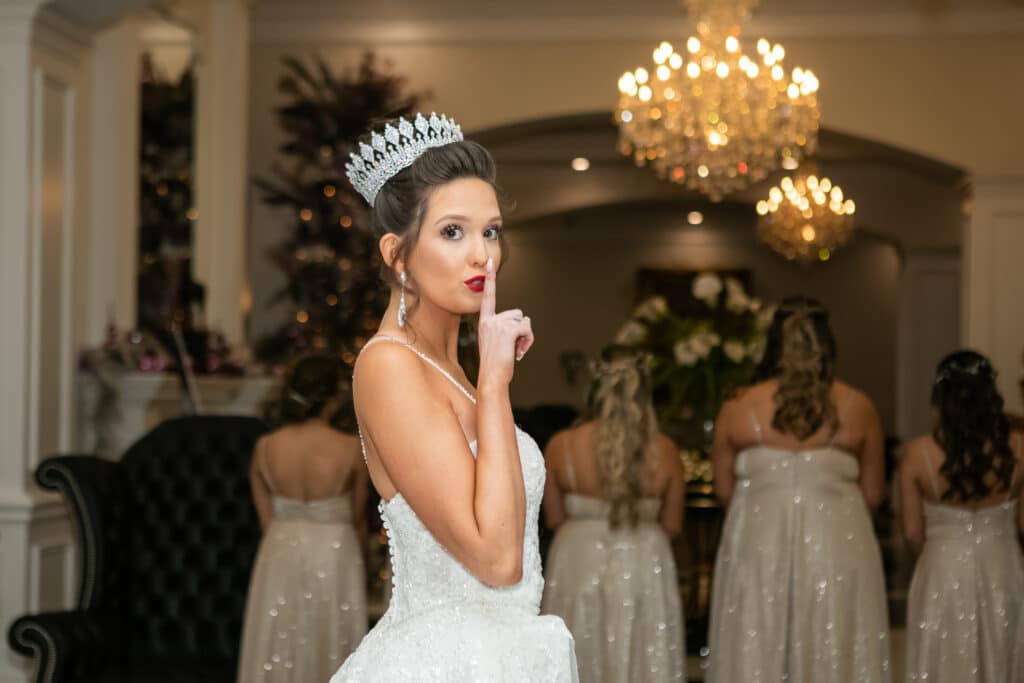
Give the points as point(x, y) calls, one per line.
point(698, 359)
point(631, 333)
point(707, 287)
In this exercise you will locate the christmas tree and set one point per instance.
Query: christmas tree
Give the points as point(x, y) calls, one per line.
point(329, 254)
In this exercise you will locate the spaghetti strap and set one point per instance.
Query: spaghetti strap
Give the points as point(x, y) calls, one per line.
point(757, 426)
point(570, 472)
point(426, 359)
point(261, 462)
point(931, 475)
point(841, 411)
point(1016, 461)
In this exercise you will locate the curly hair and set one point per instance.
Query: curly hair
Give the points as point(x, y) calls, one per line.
point(972, 430)
point(619, 398)
point(800, 352)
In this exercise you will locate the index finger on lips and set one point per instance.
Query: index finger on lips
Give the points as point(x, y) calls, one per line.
point(490, 291)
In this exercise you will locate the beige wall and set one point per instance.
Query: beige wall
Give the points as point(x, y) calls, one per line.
point(952, 97)
point(576, 282)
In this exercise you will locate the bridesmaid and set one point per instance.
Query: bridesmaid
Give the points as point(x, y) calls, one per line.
point(798, 592)
point(307, 596)
point(614, 493)
point(960, 490)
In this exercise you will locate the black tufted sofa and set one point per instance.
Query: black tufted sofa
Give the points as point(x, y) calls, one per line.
point(168, 536)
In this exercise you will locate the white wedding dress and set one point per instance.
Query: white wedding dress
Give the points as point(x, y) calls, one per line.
point(443, 624)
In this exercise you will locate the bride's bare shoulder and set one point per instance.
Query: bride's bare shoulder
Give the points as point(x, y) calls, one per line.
point(385, 361)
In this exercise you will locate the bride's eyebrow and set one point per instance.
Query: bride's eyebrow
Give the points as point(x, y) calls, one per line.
point(451, 217)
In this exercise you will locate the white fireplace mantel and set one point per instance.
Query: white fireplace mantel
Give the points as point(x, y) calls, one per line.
point(140, 401)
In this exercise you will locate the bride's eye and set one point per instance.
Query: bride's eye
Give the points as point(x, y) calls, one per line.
point(493, 232)
point(451, 232)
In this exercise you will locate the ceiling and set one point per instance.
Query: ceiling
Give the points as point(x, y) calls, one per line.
point(96, 14)
point(93, 15)
point(473, 9)
point(902, 197)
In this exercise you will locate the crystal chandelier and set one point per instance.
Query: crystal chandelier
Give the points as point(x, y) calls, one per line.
point(710, 117)
point(805, 218)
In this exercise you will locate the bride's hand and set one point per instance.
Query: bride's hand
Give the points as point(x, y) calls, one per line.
point(503, 337)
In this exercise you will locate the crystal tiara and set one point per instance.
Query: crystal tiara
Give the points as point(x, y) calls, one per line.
point(396, 149)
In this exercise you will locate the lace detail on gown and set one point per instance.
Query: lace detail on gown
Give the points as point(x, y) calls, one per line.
point(443, 624)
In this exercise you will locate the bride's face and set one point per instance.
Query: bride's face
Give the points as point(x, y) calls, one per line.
point(459, 232)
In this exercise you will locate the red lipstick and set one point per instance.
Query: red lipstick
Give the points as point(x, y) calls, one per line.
point(476, 284)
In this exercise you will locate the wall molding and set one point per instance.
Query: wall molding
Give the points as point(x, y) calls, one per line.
point(43, 506)
point(60, 37)
point(291, 23)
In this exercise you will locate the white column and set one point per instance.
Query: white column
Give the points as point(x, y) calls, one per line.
point(222, 169)
point(993, 281)
point(16, 17)
point(40, 147)
point(114, 178)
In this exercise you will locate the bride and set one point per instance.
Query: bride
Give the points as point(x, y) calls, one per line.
point(460, 484)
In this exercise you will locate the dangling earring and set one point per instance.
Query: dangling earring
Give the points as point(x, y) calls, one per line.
point(401, 301)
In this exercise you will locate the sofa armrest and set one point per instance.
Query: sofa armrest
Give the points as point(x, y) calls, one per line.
point(91, 487)
point(67, 646)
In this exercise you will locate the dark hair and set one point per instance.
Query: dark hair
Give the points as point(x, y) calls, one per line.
point(800, 351)
point(401, 203)
point(619, 398)
point(312, 382)
point(972, 430)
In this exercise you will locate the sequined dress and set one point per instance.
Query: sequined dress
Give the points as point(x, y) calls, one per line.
point(618, 592)
point(965, 610)
point(443, 624)
point(307, 596)
point(799, 591)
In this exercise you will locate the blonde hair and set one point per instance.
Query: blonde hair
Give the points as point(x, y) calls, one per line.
point(805, 374)
point(619, 399)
